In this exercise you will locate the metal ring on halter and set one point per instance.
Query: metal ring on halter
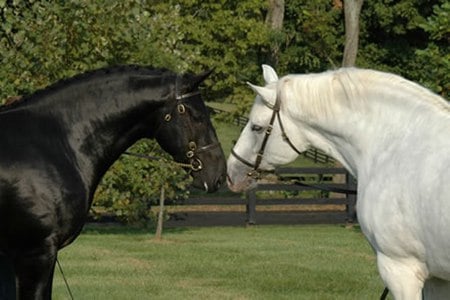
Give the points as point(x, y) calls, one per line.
point(196, 164)
point(181, 109)
point(192, 146)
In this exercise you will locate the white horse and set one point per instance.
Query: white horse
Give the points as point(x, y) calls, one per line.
point(392, 135)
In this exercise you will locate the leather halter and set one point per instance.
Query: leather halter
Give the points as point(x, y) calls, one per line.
point(256, 171)
point(195, 163)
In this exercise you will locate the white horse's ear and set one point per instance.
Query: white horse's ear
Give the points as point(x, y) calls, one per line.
point(268, 95)
point(269, 74)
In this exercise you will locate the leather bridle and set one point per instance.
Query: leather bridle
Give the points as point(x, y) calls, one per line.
point(256, 172)
point(195, 163)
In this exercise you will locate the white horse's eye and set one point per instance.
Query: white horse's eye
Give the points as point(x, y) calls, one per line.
point(257, 128)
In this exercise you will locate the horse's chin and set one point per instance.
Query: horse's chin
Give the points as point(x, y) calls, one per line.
point(246, 184)
point(209, 185)
point(204, 186)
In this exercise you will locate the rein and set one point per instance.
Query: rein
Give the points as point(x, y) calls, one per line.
point(195, 165)
point(65, 280)
point(323, 188)
point(149, 157)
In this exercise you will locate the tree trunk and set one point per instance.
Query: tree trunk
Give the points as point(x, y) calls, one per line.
point(274, 20)
point(352, 9)
point(159, 227)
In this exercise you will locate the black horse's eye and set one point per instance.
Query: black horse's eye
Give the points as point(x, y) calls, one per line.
point(257, 128)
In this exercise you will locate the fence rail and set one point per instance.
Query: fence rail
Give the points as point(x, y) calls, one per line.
point(322, 180)
point(278, 194)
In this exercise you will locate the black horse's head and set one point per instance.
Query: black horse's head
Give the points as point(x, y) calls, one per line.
point(187, 134)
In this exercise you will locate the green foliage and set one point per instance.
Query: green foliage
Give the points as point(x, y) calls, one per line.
point(133, 184)
point(435, 58)
point(44, 41)
point(41, 42)
point(226, 36)
point(314, 36)
point(407, 37)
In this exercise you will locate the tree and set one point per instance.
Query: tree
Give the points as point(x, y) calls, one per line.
point(397, 37)
point(352, 9)
point(312, 37)
point(274, 21)
point(435, 58)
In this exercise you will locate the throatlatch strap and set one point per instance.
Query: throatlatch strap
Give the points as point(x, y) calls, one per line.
point(245, 162)
point(284, 135)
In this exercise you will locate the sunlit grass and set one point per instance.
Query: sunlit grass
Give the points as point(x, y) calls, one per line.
point(262, 262)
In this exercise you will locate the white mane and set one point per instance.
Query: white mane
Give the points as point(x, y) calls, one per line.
point(324, 94)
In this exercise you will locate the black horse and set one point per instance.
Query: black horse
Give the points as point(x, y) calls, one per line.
point(56, 144)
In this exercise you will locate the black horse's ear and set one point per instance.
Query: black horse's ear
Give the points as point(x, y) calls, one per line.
point(196, 80)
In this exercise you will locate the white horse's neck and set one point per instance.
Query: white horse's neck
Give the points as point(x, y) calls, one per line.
point(358, 115)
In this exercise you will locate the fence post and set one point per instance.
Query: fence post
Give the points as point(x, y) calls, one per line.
point(159, 227)
point(251, 207)
point(350, 207)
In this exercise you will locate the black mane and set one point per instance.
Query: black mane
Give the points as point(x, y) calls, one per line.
point(88, 75)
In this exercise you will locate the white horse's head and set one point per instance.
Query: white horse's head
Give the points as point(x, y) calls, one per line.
point(261, 146)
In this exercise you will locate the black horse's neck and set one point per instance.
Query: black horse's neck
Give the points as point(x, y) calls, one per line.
point(97, 116)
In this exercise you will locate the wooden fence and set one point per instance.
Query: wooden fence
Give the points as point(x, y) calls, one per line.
point(278, 201)
point(319, 181)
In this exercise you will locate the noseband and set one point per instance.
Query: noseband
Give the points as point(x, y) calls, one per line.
point(195, 163)
point(256, 172)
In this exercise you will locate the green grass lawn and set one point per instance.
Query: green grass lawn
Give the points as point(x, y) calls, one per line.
point(261, 262)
